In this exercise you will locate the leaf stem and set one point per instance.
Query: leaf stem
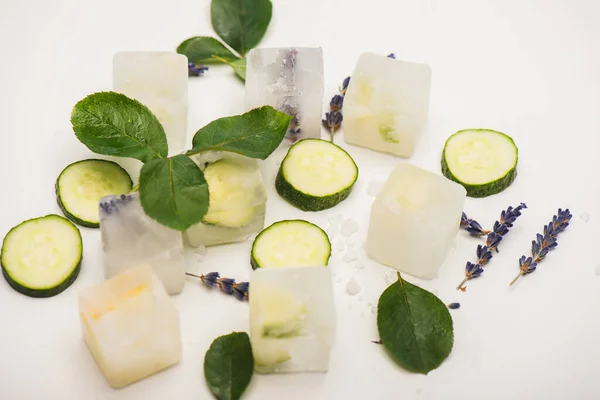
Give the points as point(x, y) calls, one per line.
point(331, 134)
point(221, 59)
point(194, 275)
point(517, 277)
point(135, 188)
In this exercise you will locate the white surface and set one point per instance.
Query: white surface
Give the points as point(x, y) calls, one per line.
point(525, 67)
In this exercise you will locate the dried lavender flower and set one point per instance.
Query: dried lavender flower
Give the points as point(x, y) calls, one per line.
point(392, 55)
point(493, 239)
point(454, 306)
point(472, 226)
point(344, 86)
point(196, 70)
point(336, 103)
point(543, 243)
point(240, 290)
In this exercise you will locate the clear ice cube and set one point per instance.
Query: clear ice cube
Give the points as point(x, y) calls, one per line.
point(131, 326)
point(292, 319)
point(290, 80)
point(159, 80)
point(237, 200)
point(386, 104)
point(414, 220)
point(130, 238)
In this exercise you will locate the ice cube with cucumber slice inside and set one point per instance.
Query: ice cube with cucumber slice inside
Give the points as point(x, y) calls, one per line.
point(237, 200)
point(292, 319)
point(483, 161)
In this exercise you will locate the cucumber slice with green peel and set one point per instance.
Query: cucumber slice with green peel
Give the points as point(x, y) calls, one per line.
point(81, 185)
point(316, 175)
point(282, 313)
point(41, 257)
point(291, 243)
point(231, 202)
point(483, 161)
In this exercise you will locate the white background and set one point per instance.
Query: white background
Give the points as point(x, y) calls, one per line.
point(527, 68)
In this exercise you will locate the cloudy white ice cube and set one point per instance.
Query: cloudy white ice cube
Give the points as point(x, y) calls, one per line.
point(159, 80)
point(386, 104)
point(414, 220)
point(237, 198)
point(290, 80)
point(131, 326)
point(292, 319)
point(131, 238)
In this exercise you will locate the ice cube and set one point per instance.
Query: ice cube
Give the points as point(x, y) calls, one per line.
point(131, 326)
point(585, 217)
point(386, 104)
point(237, 200)
point(292, 319)
point(131, 238)
point(159, 80)
point(291, 81)
point(349, 227)
point(414, 220)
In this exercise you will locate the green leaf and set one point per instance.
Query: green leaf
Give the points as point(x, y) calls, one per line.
point(255, 134)
point(241, 23)
point(112, 124)
point(205, 50)
point(414, 326)
point(239, 67)
point(228, 366)
point(173, 191)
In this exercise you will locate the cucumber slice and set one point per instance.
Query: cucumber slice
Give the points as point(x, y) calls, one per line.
point(483, 161)
point(281, 313)
point(81, 185)
point(316, 175)
point(291, 243)
point(231, 201)
point(268, 353)
point(41, 257)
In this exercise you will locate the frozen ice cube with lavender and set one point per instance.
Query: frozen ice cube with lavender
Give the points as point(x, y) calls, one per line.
point(292, 319)
point(386, 104)
point(131, 326)
point(237, 198)
point(414, 220)
point(131, 238)
point(290, 80)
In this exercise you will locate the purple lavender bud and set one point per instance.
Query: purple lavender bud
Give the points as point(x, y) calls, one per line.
point(454, 306)
point(336, 102)
point(226, 285)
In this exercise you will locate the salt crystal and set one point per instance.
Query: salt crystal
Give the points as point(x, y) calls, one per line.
point(201, 250)
point(374, 187)
point(349, 256)
point(359, 266)
point(336, 220)
point(352, 287)
point(391, 276)
point(585, 217)
point(340, 245)
point(330, 233)
point(359, 298)
point(338, 279)
point(349, 306)
point(349, 227)
point(350, 242)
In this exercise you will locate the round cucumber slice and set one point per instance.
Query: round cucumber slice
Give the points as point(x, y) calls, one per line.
point(81, 185)
point(41, 257)
point(483, 161)
point(230, 196)
point(316, 175)
point(291, 243)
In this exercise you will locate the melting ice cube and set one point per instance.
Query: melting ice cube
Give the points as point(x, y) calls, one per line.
point(130, 326)
point(130, 238)
point(290, 80)
point(292, 319)
point(414, 220)
point(387, 103)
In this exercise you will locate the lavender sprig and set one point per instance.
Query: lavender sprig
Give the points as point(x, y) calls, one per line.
point(543, 243)
point(333, 119)
point(472, 226)
point(485, 253)
point(240, 290)
point(196, 70)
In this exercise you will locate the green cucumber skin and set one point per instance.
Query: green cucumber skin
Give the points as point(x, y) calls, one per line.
point(41, 293)
point(71, 217)
point(254, 263)
point(486, 189)
point(307, 202)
